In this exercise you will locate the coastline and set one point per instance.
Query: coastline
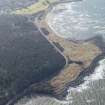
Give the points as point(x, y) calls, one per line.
point(90, 70)
point(50, 89)
point(76, 81)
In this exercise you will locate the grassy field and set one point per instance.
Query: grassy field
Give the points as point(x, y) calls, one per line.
point(37, 7)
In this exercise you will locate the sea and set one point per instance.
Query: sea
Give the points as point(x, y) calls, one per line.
point(91, 92)
point(79, 20)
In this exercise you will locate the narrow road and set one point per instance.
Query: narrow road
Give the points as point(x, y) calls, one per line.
point(42, 33)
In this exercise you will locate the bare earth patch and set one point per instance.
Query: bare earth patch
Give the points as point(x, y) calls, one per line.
point(84, 52)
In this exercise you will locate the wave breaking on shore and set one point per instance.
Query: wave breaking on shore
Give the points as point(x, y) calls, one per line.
point(97, 75)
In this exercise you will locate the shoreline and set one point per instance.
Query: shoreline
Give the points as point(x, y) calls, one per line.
point(74, 83)
point(77, 80)
point(90, 70)
point(70, 84)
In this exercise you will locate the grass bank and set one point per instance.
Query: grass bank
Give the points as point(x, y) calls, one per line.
point(34, 8)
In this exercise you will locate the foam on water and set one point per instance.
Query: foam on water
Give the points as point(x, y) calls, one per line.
point(78, 20)
point(72, 92)
point(97, 75)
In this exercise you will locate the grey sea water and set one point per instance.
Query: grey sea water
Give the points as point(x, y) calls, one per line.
point(78, 20)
